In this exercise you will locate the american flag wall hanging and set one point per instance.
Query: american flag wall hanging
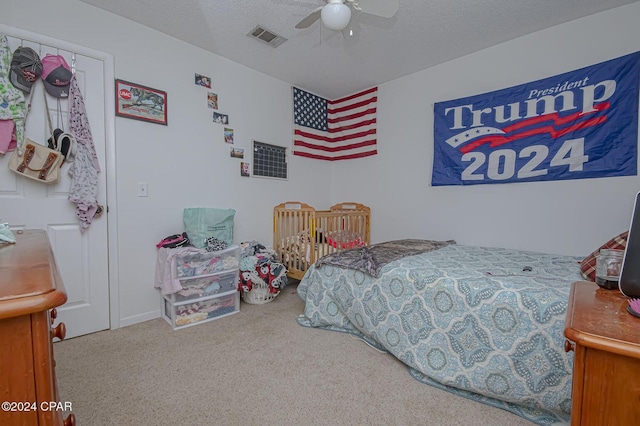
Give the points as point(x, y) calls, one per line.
point(576, 125)
point(340, 129)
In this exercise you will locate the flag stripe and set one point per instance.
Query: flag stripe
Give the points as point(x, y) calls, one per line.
point(335, 148)
point(314, 154)
point(334, 139)
point(495, 141)
point(356, 95)
point(367, 112)
point(350, 107)
point(551, 130)
point(354, 126)
point(335, 130)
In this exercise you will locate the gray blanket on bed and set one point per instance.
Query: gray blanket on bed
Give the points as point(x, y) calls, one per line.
point(371, 259)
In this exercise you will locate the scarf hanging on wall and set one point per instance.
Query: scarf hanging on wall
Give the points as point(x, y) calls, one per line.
point(84, 171)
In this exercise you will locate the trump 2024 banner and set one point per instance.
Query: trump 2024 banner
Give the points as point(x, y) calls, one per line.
point(581, 124)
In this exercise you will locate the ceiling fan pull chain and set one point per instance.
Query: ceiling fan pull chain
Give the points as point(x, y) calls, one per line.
point(336, 14)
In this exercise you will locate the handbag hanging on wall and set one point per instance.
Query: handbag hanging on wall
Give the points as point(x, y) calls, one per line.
point(35, 161)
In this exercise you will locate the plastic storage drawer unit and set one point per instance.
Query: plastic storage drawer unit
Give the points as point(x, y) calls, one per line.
point(203, 286)
point(209, 282)
point(192, 312)
point(206, 263)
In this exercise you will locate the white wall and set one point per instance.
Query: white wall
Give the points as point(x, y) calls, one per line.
point(187, 162)
point(565, 217)
point(190, 165)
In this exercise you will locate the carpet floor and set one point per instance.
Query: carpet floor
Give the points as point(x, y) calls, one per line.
point(255, 367)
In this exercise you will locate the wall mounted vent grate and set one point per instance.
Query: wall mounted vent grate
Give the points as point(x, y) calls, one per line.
point(266, 36)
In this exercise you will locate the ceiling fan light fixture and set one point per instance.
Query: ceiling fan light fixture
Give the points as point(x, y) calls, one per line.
point(336, 15)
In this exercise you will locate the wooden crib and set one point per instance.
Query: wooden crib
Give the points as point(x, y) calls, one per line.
point(302, 234)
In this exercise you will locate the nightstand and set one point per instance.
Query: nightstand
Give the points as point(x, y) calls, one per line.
point(606, 370)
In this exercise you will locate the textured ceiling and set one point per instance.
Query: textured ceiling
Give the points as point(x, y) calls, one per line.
point(423, 33)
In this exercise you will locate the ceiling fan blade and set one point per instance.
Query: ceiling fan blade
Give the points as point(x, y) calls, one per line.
point(313, 17)
point(384, 8)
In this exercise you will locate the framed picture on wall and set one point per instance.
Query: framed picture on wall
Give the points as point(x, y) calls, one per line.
point(141, 102)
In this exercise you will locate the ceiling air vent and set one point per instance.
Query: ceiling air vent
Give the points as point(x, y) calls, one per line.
point(266, 36)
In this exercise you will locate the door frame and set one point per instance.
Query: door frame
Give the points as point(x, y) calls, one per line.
point(109, 168)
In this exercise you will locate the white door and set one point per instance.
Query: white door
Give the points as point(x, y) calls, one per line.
point(82, 257)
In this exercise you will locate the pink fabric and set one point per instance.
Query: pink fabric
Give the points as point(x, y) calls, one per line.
point(165, 278)
point(51, 62)
point(8, 140)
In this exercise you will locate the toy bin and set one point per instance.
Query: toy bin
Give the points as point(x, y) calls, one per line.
point(192, 312)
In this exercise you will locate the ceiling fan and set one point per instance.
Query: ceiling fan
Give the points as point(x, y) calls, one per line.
point(336, 14)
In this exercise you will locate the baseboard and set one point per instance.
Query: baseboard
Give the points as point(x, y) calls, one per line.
point(135, 319)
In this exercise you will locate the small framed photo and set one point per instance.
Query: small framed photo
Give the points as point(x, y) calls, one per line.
point(212, 100)
point(141, 102)
point(244, 169)
point(237, 152)
point(220, 118)
point(228, 135)
point(203, 80)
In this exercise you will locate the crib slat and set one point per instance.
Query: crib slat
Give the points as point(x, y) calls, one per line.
point(301, 233)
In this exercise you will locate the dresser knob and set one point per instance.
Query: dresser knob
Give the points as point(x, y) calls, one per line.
point(568, 346)
point(70, 420)
point(54, 315)
point(60, 331)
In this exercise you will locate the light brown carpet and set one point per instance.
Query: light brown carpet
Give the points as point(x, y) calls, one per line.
point(256, 367)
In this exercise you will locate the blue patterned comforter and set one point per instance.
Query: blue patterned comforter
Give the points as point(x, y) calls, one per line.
point(472, 320)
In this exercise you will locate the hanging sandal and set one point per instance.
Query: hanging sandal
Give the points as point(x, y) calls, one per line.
point(60, 140)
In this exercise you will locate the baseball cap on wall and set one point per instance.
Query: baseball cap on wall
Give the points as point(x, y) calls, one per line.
point(56, 75)
point(26, 68)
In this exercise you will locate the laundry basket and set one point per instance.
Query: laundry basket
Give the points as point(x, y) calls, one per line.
point(259, 294)
point(261, 278)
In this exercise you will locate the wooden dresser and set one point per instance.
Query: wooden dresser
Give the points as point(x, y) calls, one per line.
point(606, 371)
point(30, 289)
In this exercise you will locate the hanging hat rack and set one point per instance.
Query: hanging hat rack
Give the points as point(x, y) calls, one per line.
point(39, 48)
point(42, 49)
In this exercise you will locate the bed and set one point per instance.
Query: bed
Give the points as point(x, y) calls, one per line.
point(484, 323)
point(302, 234)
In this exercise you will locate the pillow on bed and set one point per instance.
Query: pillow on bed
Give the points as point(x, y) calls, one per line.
point(588, 264)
